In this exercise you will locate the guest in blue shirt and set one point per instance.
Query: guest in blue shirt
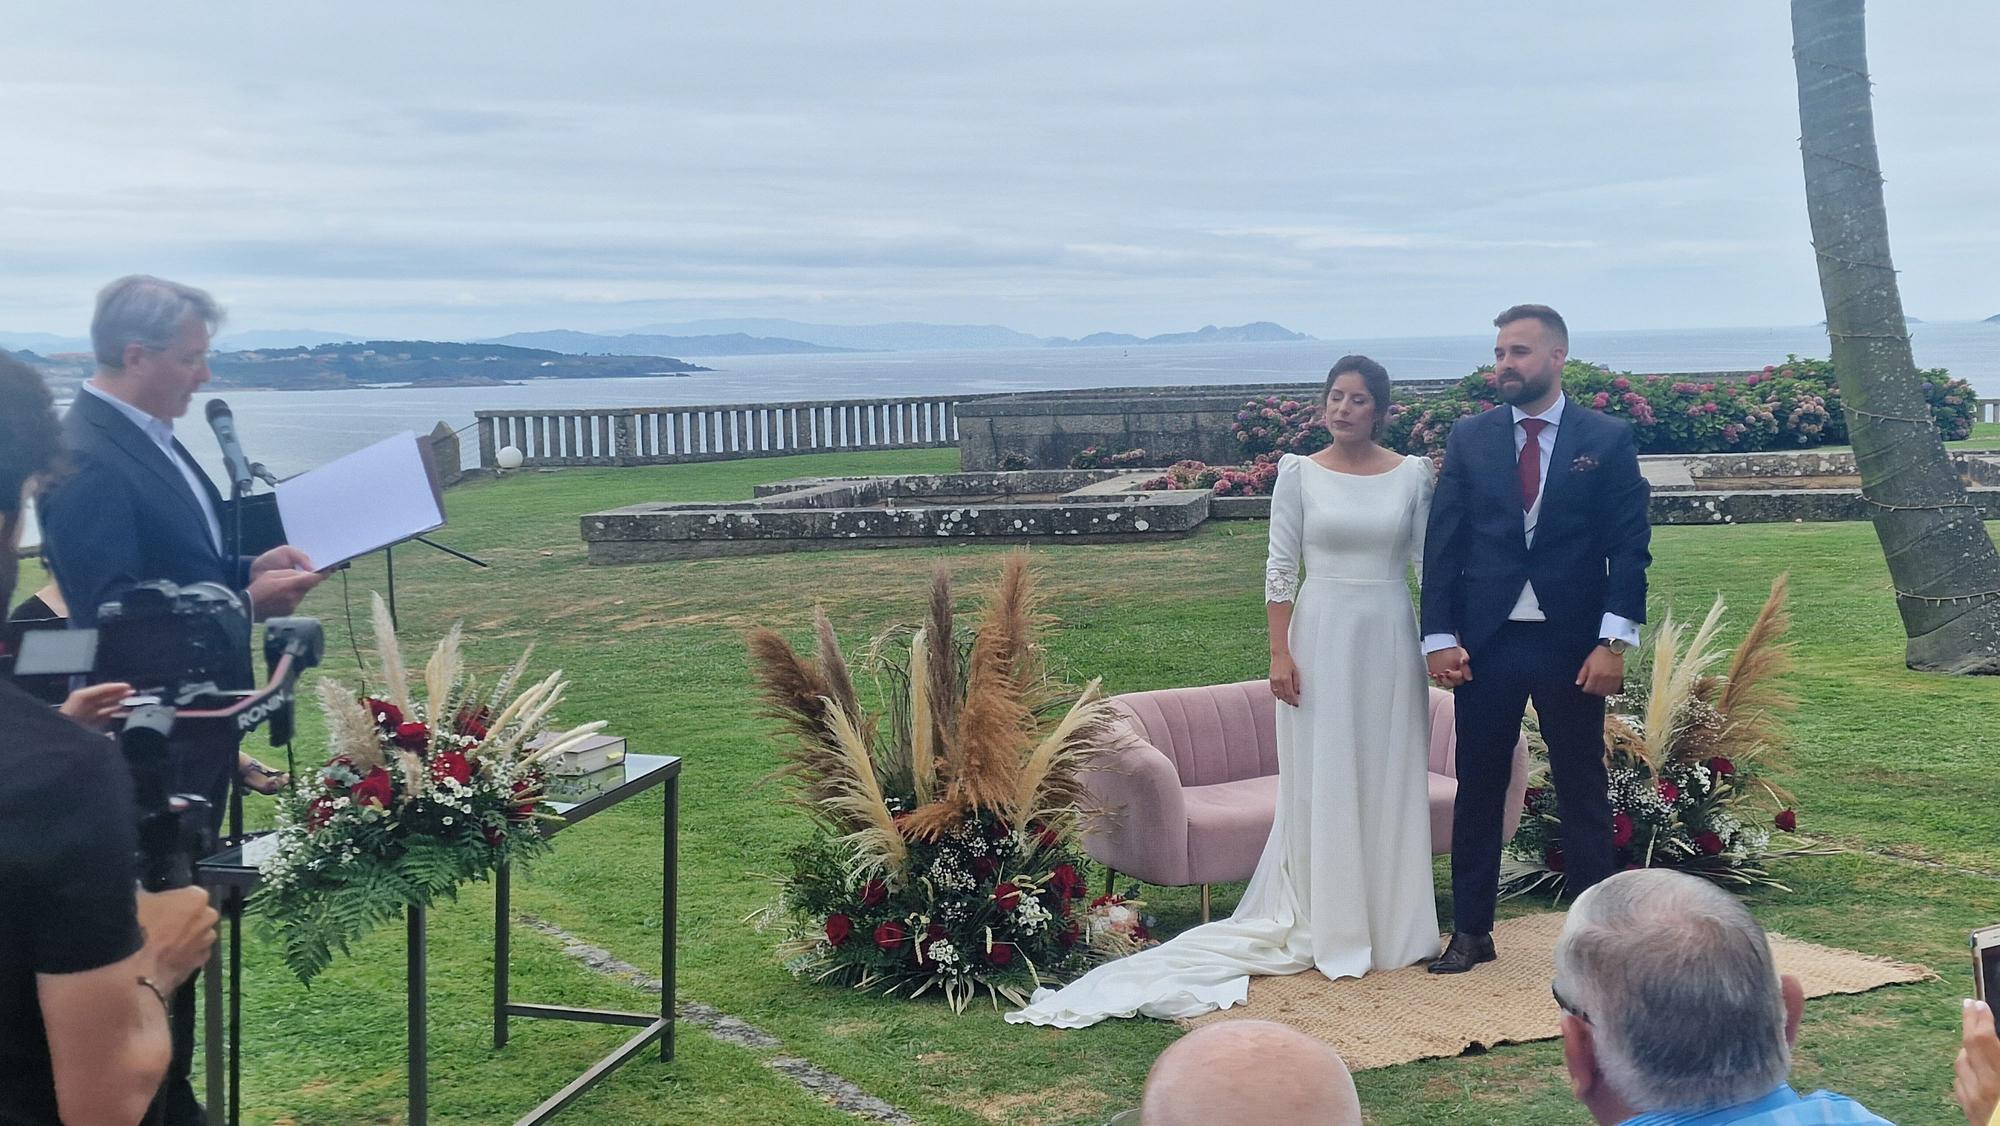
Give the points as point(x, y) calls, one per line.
point(1674, 1013)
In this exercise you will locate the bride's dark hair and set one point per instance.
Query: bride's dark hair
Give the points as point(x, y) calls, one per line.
point(1375, 377)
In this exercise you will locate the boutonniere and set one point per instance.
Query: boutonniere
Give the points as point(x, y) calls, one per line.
point(1584, 464)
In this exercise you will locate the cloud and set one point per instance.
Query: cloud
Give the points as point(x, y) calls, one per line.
point(471, 169)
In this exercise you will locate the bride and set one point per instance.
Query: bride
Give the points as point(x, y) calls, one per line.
point(1344, 883)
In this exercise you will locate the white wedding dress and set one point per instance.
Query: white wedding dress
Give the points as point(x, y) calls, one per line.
point(1344, 883)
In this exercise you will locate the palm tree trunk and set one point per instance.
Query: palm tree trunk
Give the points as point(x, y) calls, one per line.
point(1941, 560)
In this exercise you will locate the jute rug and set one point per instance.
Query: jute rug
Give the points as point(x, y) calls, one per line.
point(1408, 1014)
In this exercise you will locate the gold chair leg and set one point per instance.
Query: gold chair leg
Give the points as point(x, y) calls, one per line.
point(1204, 903)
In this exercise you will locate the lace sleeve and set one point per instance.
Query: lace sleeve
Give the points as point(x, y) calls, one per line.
point(1281, 564)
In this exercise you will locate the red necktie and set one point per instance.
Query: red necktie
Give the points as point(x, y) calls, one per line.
point(1529, 467)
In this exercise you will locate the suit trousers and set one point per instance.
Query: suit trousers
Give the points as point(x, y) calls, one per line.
point(1526, 661)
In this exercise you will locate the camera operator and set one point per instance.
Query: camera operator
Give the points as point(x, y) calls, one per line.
point(138, 509)
point(87, 961)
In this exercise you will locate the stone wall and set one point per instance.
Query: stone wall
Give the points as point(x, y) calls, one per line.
point(1046, 429)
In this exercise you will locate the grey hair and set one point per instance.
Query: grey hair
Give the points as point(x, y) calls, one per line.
point(146, 310)
point(1677, 982)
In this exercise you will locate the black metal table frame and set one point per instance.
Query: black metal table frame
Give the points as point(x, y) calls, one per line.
point(228, 874)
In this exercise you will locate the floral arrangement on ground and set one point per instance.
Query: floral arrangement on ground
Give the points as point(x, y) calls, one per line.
point(1688, 751)
point(418, 794)
point(943, 855)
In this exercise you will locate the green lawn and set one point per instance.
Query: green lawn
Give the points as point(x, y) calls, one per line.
point(1887, 760)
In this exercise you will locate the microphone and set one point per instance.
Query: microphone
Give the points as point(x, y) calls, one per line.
point(223, 422)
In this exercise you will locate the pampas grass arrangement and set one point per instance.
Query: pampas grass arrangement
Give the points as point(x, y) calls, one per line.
point(943, 855)
point(1687, 751)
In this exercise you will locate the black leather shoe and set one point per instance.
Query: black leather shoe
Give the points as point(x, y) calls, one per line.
point(1464, 952)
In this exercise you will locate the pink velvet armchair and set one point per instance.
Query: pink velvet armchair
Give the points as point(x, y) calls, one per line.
point(1190, 784)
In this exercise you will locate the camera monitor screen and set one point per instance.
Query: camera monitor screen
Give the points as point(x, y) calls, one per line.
point(56, 652)
point(1989, 973)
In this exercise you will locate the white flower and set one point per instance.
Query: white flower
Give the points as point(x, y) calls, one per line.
point(1031, 916)
point(943, 953)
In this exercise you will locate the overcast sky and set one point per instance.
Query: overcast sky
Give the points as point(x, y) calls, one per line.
point(1351, 169)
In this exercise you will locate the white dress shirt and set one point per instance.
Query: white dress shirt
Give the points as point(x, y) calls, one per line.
point(1528, 608)
point(161, 432)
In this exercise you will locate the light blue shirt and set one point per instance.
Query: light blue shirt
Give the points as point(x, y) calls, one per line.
point(1782, 1107)
point(161, 432)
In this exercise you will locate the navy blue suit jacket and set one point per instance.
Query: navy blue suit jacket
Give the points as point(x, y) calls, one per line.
point(125, 516)
point(1591, 537)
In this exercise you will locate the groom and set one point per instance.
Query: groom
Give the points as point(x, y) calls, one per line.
point(1534, 586)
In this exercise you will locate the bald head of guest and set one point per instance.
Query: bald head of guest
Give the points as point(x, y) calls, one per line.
point(1249, 1071)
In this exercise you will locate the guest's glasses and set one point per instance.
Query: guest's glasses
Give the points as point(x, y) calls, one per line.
point(1565, 1006)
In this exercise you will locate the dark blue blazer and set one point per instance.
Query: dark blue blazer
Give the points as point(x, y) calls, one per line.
point(1591, 537)
point(125, 515)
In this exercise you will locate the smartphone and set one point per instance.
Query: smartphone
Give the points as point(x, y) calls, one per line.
point(1986, 965)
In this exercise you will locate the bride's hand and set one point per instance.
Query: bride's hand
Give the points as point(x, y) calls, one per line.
point(1285, 679)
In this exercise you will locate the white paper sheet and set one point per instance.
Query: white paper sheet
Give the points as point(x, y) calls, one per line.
point(363, 502)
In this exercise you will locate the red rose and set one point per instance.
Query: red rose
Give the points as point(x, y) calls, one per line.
point(1070, 934)
point(1710, 843)
point(374, 789)
point(412, 736)
point(1047, 836)
point(318, 812)
point(472, 721)
point(1554, 859)
point(384, 713)
point(873, 893)
point(1788, 820)
point(1065, 882)
point(984, 866)
point(1000, 953)
point(888, 936)
point(838, 927)
point(1533, 792)
point(1621, 830)
point(451, 764)
point(1669, 792)
point(495, 835)
point(1721, 767)
point(1007, 896)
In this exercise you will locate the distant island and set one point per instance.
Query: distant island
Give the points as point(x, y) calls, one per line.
point(424, 363)
point(773, 336)
point(339, 354)
point(1259, 332)
point(369, 363)
point(642, 344)
point(1992, 320)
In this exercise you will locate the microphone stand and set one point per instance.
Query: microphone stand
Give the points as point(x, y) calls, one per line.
point(232, 905)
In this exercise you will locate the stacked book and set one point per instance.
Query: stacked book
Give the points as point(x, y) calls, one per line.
point(591, 767)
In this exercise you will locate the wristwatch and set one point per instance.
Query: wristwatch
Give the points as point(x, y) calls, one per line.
point(1617, 645)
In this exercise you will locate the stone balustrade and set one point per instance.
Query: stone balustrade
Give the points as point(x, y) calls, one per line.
point(673, 434)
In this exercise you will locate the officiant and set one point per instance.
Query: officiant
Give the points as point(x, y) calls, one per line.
point(137, 508)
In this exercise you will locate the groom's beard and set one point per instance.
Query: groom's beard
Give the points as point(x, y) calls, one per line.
point(1527, 390)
